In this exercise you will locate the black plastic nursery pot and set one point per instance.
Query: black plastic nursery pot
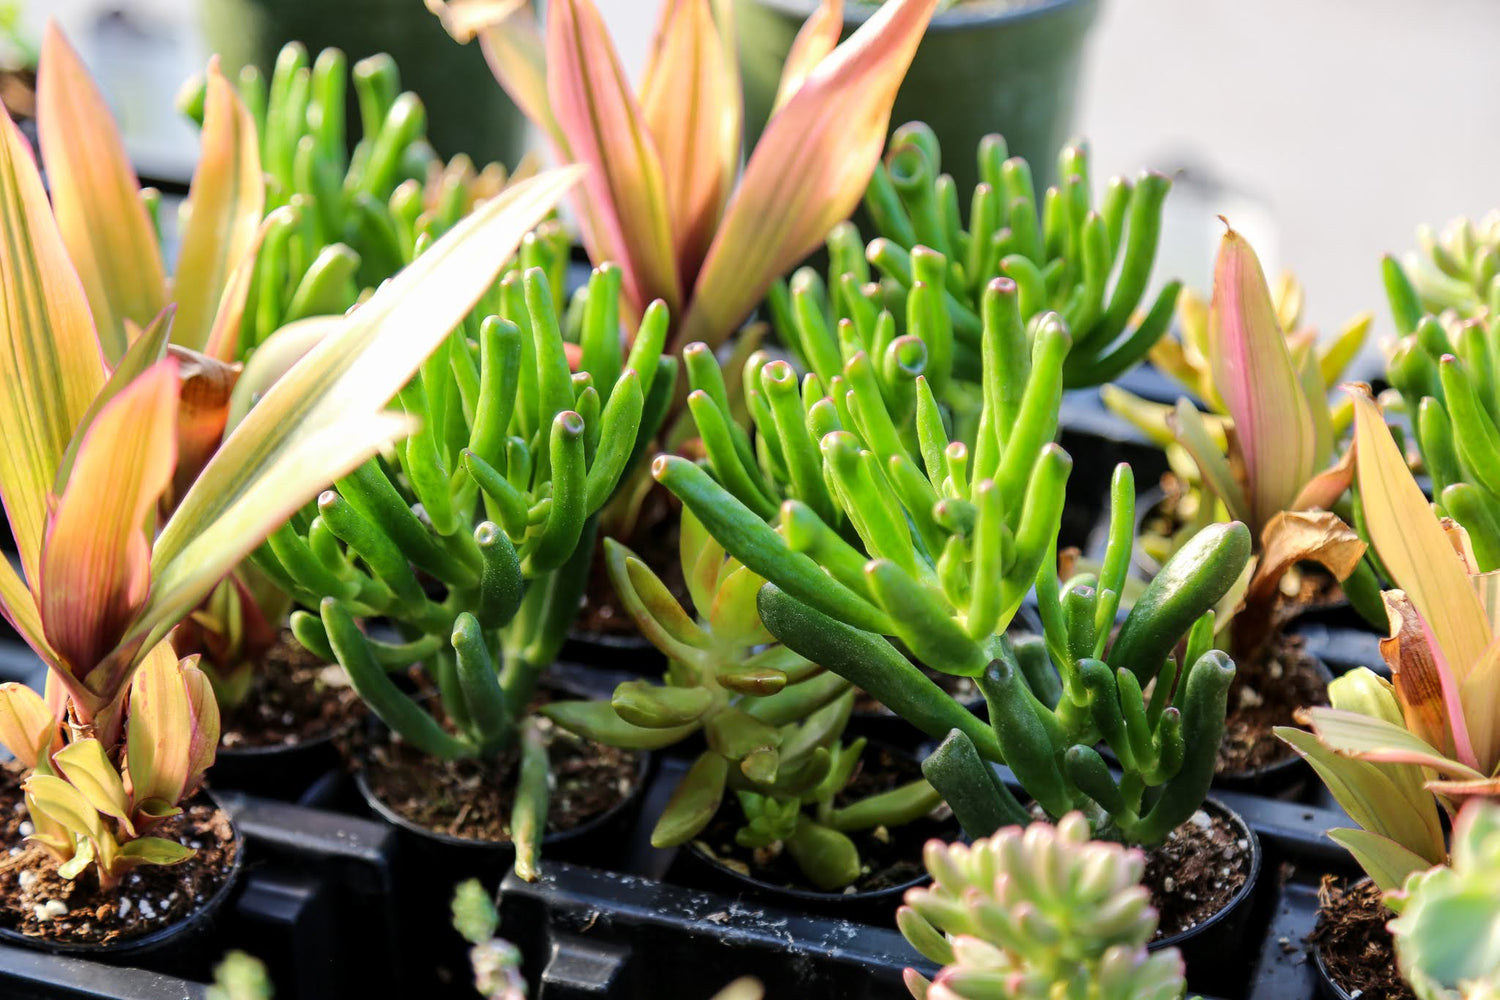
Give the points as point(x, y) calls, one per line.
point(467, 111)
point(1006, 66)
point(277, 772)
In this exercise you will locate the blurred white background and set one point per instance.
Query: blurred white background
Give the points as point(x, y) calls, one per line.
point(1327, 130)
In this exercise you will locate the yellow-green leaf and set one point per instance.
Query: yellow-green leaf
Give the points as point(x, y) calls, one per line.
point(87, 768)
point(27, 726)
point(1385, 861)
point(160, 729)
point(226, 198)
point(96, 197)
point(50, 367)
point(64, 805)
point(809, 170)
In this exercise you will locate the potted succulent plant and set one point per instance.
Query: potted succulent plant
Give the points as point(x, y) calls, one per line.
point(1093, 919)
point(474, 541)
point(812, 821)
point(94, 403)
point(252, 34)
point(334, 226)
point(983, 66)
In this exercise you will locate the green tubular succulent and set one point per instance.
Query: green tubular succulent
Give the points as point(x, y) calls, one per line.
point(1052, 700)
point(929, 551)
point(932, 267)
point(1444, 369)
point(772, 720)
point(1037, 914)
point(339, 223)
point(475, 535)
point(931, 540)
point(1454, 271)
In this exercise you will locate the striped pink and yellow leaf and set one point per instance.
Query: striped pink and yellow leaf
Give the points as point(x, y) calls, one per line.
point(227, 198)
point(1259, 382)
point(808, 171)
point(95, 573)
point(96, 197)
point(173, 732)
point(654, 201)
point(27, 725)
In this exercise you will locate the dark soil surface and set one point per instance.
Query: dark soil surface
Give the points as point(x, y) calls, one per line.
point(37, 902)
point(295, 698)
point(1195, 874)
point(655, 543)
point(891, 857)
point(473, 798)
point(1267, 692)
point(1356, 947)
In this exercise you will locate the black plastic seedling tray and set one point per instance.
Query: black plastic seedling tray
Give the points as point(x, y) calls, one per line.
point(319, 903)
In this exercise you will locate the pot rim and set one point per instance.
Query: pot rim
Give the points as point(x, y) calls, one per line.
point(961, 17)
point(269, 750)
point(1241, 895)
point(162, 936)
point(390, 815)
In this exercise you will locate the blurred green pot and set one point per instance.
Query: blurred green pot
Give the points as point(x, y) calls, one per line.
point(1006, 66)
point(467, 111)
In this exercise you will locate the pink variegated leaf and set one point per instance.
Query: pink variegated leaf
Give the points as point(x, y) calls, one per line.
point(808, 171)
point(1412, 543)
point(227, 199)
point(1372, 739)
point(625, 213)
point(818, 37)
point(691, 103)
point(96, 197)
point(513, 47)
point(224, 335)
point(159, 736)
point(205, 385)
point(96, 559)
point(1259, 383)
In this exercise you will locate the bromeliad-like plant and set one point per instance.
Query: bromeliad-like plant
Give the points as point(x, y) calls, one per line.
point(1036, 914)
point(1443, 368)
point(773, 720)
point(1277, 473)
point(88, 809)
point(495, 498)
point(1061, 252)
point(1448, 933)
point(1437, 726)
point(94, 447)
point(661, 198)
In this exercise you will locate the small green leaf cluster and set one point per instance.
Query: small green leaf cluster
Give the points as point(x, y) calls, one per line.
point(772, 720)
point(1036, 914)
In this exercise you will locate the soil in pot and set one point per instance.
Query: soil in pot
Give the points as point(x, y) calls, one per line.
point(1354, 947)
point(654, 542)
point(472, 799)
point(37, 902)
point(1267, 692)
point(294, 698)
point(891, 857)
point(1196, 872)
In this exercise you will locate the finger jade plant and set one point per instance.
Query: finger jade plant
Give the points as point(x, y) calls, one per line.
point(496, 498)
